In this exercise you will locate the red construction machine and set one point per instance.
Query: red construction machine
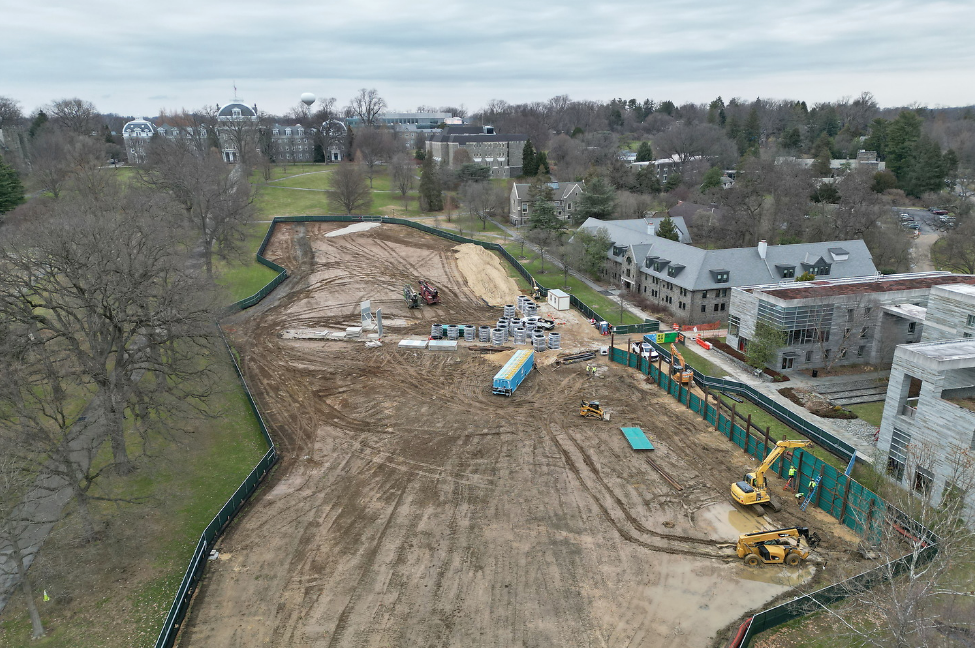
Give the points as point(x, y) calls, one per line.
point(429, 293)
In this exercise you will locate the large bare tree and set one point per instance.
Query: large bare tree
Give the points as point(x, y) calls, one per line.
point(110, 285)
point(403, 176)
point(75, 115)
point(350, 193)
point(375, 146)
point(367, 105)
point(215, 198)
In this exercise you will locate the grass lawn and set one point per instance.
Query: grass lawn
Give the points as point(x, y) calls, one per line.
point(279, 201)
point(317, 179)
point(115, 593)
point(553, 278)
point(869, 412)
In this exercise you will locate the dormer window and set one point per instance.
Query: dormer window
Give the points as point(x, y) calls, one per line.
point(660, 264)
point(674, 270)
point(618, 250)
point(786, 271)
point(721, 276)
point(236, 112)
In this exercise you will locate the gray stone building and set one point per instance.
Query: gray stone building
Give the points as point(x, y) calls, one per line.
point(840, 321)
point(565, 196)
point(951, 312)
point(484, 146)
point(928, 429)
point(694, 285)
point(136, 136)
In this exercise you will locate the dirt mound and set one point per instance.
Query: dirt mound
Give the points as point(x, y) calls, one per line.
point(485, 275)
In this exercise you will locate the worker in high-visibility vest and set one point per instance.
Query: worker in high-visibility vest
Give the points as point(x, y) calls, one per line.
point(789, 485)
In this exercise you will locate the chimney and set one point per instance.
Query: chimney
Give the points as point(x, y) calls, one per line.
point(650, 227)
point(762, 248)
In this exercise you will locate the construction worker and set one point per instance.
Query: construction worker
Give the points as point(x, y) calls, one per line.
point(799, 497)
point(792, 479)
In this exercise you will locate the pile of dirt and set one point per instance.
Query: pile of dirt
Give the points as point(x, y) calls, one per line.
point(485, 275)
point(816, 403)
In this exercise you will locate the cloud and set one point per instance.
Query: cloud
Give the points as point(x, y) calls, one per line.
point(190, 53)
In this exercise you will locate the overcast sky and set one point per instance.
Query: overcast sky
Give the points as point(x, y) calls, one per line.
point(137, 58)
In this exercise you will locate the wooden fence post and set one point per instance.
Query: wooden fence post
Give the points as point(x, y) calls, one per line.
point(731, 430)
point(819, 489)
point(748, 430)
point(846, 497)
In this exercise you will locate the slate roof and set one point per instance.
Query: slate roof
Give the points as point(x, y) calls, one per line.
point(744, 265)
point(245, 110)
point(138, 126)
point(560, 190)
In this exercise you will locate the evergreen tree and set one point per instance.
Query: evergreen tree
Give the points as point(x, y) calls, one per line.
point(877, 140)
point(712, 179)
point(11, 189)
point(902, 136)
point(431, 195)
point(529, 161)
point(927, 170)
point(543, 216)
point(543, 167)
point(644, 153)
point(598, 200)
point(668, 230)
point(823, 154)
point(36, 124)
point(647, 180)
point(792, 139)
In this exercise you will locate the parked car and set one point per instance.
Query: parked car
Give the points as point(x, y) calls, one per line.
point(911, 225)
point(906, 217)
point(939, 212)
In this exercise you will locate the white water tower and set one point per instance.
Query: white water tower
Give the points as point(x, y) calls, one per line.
point(308, 99)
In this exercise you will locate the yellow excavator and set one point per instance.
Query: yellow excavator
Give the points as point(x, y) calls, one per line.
point(679, 368)
point(776, 547)
point(752, 491)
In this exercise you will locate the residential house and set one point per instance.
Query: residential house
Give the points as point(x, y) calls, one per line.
point(565, 199)
point(695, 285)
point(136, 135)
point(410, 124)
point(847, 321)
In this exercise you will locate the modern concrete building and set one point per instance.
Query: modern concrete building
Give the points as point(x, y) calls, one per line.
point(695, 285)
point(841, 321)
point(928, 429)
point(565, 200)
point(502, 153)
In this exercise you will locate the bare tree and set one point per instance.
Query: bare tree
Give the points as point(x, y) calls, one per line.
point(10, 113)
point(956, 249)
point(687, 141)
point(403, 172)
point(216, 198)
point(75, 115)
point(329, 131)
point(367, 106)
point(111, 285)
point(15, 481)
point(350, 193)
point(374, 146)
point(918, 597)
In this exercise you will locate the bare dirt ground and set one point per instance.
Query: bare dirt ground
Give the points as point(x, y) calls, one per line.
point(414, 508)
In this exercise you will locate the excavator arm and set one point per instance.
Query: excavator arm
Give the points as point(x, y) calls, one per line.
point(751, 491)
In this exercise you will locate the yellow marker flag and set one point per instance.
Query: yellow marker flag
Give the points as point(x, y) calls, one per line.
point(46, 597)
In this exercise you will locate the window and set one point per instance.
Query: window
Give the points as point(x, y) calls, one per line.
point(716, 307)
point(864, 331)
point(968, 335)
point(808, 356)
point(842, 353)
point(913, 325)
point(671, 271)
point(826, 355)
point(922, 480)
point(849, 315)
point(723, 305)
point(846, 334)
point(734, 324)
point(898, 454)
point(860, 350)
point(866, 311)
point(704, 294)
point(971, 320)
point(721, 277)
point(704, 308)
point(787, 362)
point(788, 273)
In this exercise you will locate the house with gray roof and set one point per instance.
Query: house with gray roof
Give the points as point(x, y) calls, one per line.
point(695, 284)
point(565, 196)
point(136, 135)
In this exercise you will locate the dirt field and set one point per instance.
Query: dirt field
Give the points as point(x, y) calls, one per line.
point(414, 508)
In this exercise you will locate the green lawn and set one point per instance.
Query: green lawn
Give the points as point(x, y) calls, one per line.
point(279, 201)
point(552, 278)
point(317, 179)
point(869, 412)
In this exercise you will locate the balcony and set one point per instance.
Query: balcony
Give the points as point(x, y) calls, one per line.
point(909, 409)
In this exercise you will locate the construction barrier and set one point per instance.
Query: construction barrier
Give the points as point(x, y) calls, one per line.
point(838, 494)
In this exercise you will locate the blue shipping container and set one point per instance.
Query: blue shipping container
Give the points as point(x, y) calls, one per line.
point(513, 372)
